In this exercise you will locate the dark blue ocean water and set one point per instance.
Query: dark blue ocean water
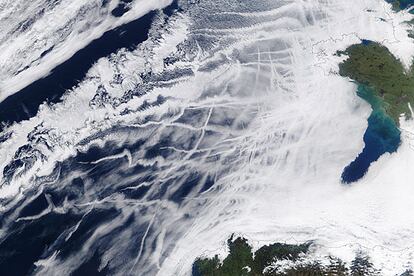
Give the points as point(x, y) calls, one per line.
point(78, 181)
point(27, 241)
point(25, 103)
point(403, 3)
point(381, 136)
point(366, 42)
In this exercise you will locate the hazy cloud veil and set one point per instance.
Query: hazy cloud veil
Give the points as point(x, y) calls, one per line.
point(229, 118)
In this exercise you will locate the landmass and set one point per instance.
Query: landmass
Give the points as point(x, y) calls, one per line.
point(387, 86)
point(280, 259)
point(374, 66)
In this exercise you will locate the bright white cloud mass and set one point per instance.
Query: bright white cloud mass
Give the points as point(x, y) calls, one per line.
point(230, 117)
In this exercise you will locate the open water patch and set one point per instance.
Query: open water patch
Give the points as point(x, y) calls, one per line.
point(381, 136)
point(25, 103)
point(403, 4)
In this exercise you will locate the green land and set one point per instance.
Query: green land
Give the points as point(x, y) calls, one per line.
point(373, 65)
point(388, 87)
point(242, 261)
point(395, 4)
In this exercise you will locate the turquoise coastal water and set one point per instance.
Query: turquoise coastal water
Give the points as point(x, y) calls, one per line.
point(381, 136)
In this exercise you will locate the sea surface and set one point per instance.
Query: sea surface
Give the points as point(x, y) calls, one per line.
point(166, 135)
point(404, 4)
point(382, 136)
point(24, 104)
